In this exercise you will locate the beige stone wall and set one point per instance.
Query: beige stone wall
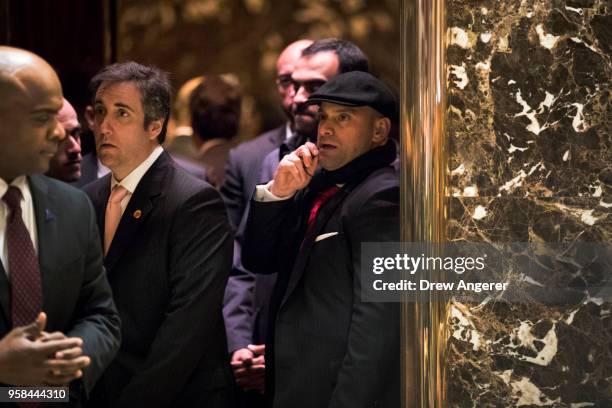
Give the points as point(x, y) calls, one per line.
point(194, 37)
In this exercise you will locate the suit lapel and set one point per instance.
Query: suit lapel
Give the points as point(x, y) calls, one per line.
point(99, 202)
point(142, 202)
point(5, 311)
point(46, 210)
point(278, 137)
point(323, 216)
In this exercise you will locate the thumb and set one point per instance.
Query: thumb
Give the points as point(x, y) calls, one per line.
point(257, 348)
point(41, 321)
point(33, 330)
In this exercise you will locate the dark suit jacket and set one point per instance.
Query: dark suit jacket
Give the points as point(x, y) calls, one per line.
point(76, 295)
point(243, 171)
point(168, 265)
point(89, 170)
point(244, 303)
point(328, 349)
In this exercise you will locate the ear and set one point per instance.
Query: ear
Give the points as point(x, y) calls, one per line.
point(155, 128)
point(89, 116)
point(382, 127)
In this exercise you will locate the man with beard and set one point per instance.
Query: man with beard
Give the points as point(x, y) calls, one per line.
point(321, 61)
point(244, 303)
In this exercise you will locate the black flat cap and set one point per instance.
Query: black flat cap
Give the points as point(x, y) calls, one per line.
point(357, 88)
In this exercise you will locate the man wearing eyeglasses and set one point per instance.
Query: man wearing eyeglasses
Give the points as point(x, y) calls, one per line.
point(65, 165)
point(319, 62)
point(243, 308)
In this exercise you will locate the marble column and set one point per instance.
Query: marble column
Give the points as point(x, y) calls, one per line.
point(530, 160)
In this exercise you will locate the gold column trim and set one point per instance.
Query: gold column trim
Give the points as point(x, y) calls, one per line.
point(423, 182)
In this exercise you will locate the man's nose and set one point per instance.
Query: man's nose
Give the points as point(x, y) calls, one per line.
point(104, 125)
point(324, 129)
point(74, 145)
point(300, 96)
point(58, 133)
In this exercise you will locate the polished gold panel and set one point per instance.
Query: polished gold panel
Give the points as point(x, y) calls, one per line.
point(423, 180)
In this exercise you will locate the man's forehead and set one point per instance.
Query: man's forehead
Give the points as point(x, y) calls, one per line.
point(68, 116)
point(126, 93)
point(321, 65)
point(43, 97)
point(31, 85)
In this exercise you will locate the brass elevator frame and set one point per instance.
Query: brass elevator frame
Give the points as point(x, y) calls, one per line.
point(423, 192)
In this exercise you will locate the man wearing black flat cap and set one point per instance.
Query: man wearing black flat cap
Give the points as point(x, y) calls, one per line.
point(327, 348)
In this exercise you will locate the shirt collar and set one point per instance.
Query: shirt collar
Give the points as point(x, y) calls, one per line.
point(20, 182)
point(130, 182)
point(288, 131)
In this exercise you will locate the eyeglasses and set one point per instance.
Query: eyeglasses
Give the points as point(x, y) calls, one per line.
point(309, 86)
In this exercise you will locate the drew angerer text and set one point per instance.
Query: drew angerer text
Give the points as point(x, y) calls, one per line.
point(424, 284)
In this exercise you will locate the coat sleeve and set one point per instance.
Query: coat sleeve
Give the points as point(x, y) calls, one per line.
point(199, 264)
point(96, 320)
point(238, 302)
point(371, 361)
point(266, 229)
point(232, 189)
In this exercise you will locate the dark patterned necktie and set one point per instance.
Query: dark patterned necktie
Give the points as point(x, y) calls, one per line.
point(26, 287)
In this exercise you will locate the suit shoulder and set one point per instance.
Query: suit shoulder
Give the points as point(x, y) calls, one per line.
point(381, 180)
point(265, 142)
point(381, 186)
point(63, 195)
point(182, 184)
point(93, 187)
point(59, 187)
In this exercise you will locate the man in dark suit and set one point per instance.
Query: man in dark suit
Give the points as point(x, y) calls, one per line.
point(328, 348)
point(58, 322)
point(242, 303)
point(167, 246)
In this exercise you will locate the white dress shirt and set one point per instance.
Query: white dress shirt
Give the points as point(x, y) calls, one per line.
point(27, 213)
point(288, 132)
point(264, 195)
point(130, 182)
point(102, 170)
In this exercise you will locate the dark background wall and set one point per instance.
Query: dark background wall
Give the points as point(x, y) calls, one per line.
point(76, 37)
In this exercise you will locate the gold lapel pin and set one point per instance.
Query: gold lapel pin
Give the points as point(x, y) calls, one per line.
point(137, 214)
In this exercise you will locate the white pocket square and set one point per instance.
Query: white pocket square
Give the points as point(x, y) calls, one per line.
point(325, 236)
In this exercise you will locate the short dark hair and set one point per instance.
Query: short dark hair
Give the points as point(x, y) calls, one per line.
point(215, 108)
point(153, 84)
point(350, 56)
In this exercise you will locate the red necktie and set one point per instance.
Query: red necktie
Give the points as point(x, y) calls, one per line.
point(26, 287)
point(318, 202)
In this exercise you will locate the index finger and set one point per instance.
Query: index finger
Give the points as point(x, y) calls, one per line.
point(53, 346)
point(305, 155)
point(314, 150)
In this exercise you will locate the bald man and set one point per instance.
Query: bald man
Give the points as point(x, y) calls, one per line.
point(245, 304)
point(65, 165)
point(58, 322)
